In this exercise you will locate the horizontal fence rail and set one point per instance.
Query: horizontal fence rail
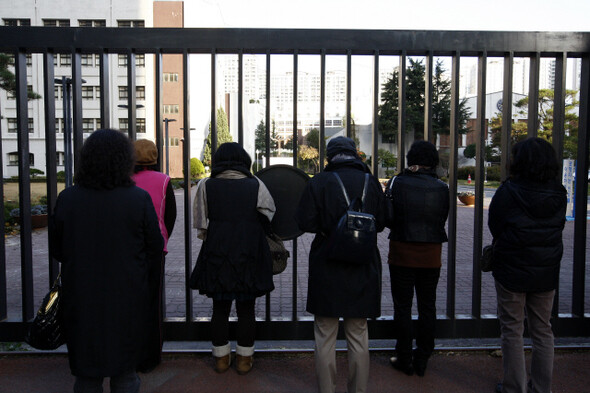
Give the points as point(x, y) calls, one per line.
point(456, 45)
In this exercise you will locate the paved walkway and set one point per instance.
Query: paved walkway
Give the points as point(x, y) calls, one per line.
point(281, 298)
point(448, 372)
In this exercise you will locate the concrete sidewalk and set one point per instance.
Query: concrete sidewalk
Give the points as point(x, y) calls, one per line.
point(448, 371)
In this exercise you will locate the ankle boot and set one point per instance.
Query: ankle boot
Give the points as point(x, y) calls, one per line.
point(244, 359)
point(222, 358)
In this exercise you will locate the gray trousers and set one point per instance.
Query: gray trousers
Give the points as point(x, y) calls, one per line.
point(512, 309)
point(357, 339)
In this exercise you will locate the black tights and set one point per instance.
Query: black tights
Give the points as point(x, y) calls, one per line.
point(246, 328)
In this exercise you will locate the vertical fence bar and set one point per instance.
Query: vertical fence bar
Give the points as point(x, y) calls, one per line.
point(158, 103)
point(480, 138)
point(581, 211)
point(453, 165)
point(241, 97)
point(50, 151)
point(558, 134)
point(186, 150)
point(375, 131)
point(401, 113)
point(349, 94)
point(533, 111)
point(3, 288)
point(506, 133)
point(77, 131)
point(105, 93)
point(213, 102)
point(131, 96)
point(295, 154)
point(322, 141)
point(24, 183)
point(268, 141)
point(428, 136)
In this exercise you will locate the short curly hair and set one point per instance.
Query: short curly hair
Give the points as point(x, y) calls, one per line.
point(534, 159)
point(422, 153)
point(106, 161)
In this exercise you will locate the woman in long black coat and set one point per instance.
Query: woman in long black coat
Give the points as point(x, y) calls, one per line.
point(338, 289)
point(105, 233)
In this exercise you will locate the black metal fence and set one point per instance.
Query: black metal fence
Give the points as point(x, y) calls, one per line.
point(49, 42)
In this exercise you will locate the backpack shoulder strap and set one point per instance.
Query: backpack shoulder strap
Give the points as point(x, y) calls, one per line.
point(365, 188)
point(343, 189)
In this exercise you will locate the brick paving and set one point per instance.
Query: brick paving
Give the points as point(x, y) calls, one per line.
point(281, 297)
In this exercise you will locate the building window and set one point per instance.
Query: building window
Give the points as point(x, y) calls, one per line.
point(123, 124)
point(60, 158)
point(87, 92)
point(140, 126)
point(92, 23)
point(171, 108)
point(13, 158)
point(58, 125)
point(173, 141)
point(65, 60)
point(16, 22)
point(123, 95)
point(170, 77)
point(86, 60)
point(87, 125)
point(57, 90)
point(56, 22)
point(139, 60)
point(130, 23)
point(140, 92)
point(12, 124)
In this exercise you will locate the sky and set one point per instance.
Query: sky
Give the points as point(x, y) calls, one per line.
point(507, 15)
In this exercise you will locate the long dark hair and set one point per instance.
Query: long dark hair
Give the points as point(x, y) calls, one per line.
point(534, 159)
point(106, 161)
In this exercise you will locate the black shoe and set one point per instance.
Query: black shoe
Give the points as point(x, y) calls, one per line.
point(404, 367)
point(499, 388)
point(419, 366)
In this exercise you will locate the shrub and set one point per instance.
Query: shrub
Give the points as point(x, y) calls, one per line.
point(197, 168)
point(465, 171)
point(493, 173)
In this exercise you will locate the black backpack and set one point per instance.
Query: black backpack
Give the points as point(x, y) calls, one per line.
point(354, 238)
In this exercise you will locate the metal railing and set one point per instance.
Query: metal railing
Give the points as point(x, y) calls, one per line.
point(559, 46)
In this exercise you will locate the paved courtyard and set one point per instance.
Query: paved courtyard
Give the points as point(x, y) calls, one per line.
point(281, 299)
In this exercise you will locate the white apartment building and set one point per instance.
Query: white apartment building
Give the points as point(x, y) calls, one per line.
point(85, 13)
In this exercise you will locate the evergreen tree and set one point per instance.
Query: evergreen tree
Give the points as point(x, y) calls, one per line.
point(441, 103)
point(223, 135)
point(260, 137)
point(546, 110)
point(8, 79)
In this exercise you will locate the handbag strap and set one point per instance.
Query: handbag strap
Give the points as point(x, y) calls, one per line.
point(365, 186)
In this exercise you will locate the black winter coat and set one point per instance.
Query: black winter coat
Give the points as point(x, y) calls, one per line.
point(109, 243)
point(526, 220)
point(234, 261)
point(419, 207)
point(337, 289)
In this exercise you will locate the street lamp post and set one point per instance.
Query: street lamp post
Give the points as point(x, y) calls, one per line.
point(67, 114)
point(166, 143)
point(257, 165)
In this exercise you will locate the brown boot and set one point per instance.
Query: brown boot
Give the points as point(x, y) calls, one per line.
point(222, 356)
point(243, 364)
point(222, 363)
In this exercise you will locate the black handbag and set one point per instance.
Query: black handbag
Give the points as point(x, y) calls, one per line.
point(46, 331)
point(487, 258)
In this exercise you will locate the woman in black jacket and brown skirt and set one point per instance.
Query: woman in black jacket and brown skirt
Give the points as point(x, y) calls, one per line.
point(234, 263)
point(526, 219)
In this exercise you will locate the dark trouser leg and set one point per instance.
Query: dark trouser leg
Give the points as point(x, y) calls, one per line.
point(125, 383)
point(88, 385)
point(246, 322)
point(402, 291)
point(426, 282)
point(152, 350)
point(220, 322)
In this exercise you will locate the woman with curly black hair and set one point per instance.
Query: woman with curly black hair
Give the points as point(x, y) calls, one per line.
point(105, 233)
point(526, 219)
